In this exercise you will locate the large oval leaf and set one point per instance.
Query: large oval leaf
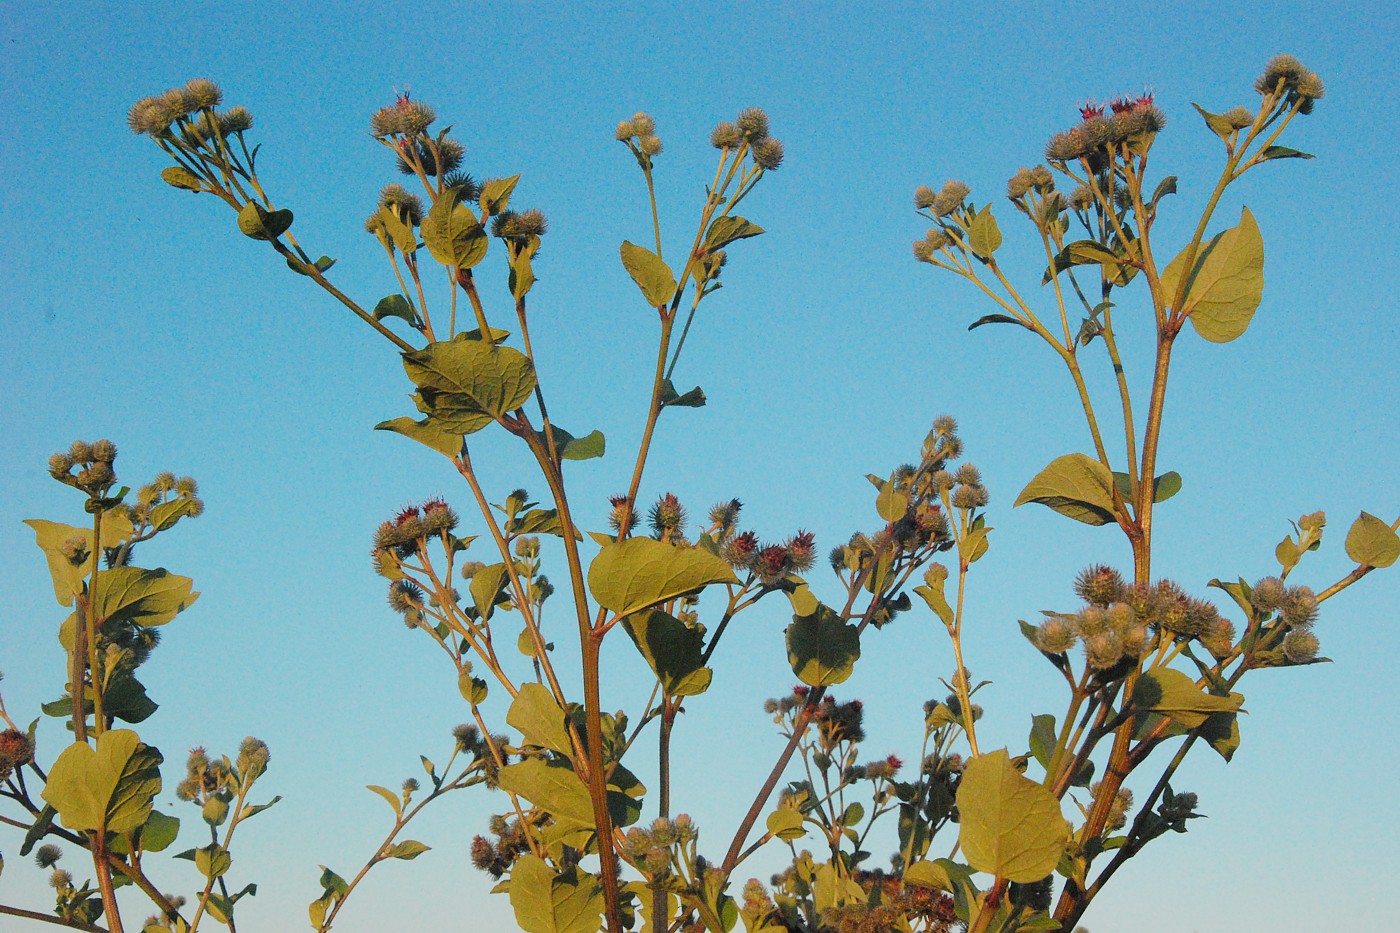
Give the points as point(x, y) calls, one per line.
point(1371, 542)
point(1010, 826)
point(457, 375)
point(1074, 485)
point(652, 275)
point(546, 902)
point(145, 597)
point(642, 572)
point(1226, 281)
point(109, 788)
point(673, 650)
point(453, 234)
point(822, 647)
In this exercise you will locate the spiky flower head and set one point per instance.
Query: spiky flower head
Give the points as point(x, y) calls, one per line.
point(1239, 117)
point(1300, 607)
point(60, 880)
point(1220, 640)
point(753, 123)
point(1281, 68)
point(1103, 650)
point(1081, 198)
point(741, 550)
point(650, 145)
point(1019, 184)
point(438, 516)
point(253, 756)
point(643, 124)
point(467, 736)
point(723, 515)
point(1055, 635)
point(1042, 179)
point(945, 425)
point(1300, 647)
point(1067, 146)
point(668, 515)
point(802, 551)
point(950, 197)
point(511, 225)
point(178, 104)
point(203, 93)
point(621, 506)
point(60, 465)
point(725, 136)
point(399, 198)
point(405, 597)
point(924, 196)
point(444, 156)
point(1268, 594)
point(768, 153)
point(48, 855)
point(235, 120)
point(16, 750)
point(1099, 585)
point(772, 564)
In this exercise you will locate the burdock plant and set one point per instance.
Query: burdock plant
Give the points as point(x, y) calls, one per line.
point(1034, 835)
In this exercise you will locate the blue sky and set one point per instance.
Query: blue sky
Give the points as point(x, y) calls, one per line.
point(134, 311)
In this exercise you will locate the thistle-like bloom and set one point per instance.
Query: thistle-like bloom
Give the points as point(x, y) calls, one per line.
point(1268, 594)
point(1019, 184)
point(1239, 117)
point(741, 550)
point(203, 93)
point(726, 136)
point(768, 153)
point(668, 515)
point(48, 855)
point(802, 551)
point(447, 158)
point(772, 564)
point(1300, 647)
point(1281, 68)
point(409, 205)
point(950, 197)
point(1055, 635)
point(753, 123)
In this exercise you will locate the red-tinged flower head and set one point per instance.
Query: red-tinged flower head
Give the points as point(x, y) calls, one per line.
point(894, 761)
point(1089, 109)
point(772, 563)
point(802, 551)
point(741, 550)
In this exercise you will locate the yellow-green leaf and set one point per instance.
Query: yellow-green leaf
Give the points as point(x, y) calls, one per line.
point(145, 597)
point(640, 572)
point(474, 374)
point(652, 275)
point(822, 647)
point(1371, 542)
point(548, 902)
point(1076, 486)
point(1010, 826)
point(539, 719)
point(1168, 691)
point(1226, 281)
point(110, 788)
point(53, 539)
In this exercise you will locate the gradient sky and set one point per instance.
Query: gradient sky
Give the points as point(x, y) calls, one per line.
point(137, 312)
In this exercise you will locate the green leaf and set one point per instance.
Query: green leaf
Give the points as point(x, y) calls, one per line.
point(641, 572)
point(1371, 543)
point(108, 789)
point(180, 177)
point(786, 825)
point(551, 786)
point(536, 715)
point(1010, 826)
point(332, 883)
point(1076, 486)
point(1283, 152)
point(213, 860)
point(1043, 739)
point(997, 319)
point(983, 235)
point(1222, 731)
point(1163, 488)
point(1226, 282)
point(890, 503)
point(425, 432)
point(51, 537)
point(471, 376)
point(495, 194)
point(1218, 125)
point(591, 445)
point(672, 649)
point(822, 648)
point(652, 275)
point(143, 597)
point(727, 229)
point(832, 889)
point(38, 829)
point(453, 234)
point(408, 850)
point(394, 799)
point(395, 306)
point(126, 699)
point(695, 398)
point(546, 902)
point(159, 832)
point(522, 270)
point(165, 515)
point(262, 224)
point(487, 586)
point(1164, 187)
point(932, 593)
point(1168, 691)
point(1084, 253)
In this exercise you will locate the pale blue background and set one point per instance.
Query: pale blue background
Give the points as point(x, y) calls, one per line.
point(138, 312)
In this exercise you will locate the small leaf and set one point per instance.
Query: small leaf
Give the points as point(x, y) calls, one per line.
point(695, 398)
point(1371, 543)
point(262, 224)
point(1283, 152)
point(1076, 486)
point(408, 850)
point(495, 194)
point(1010, 826)
point(642, 572)
point(452, 232)
point(652, 275)
point(180, 177)
point(425, 432)
point(394, 799)
point(395, 306)
point(983, 235)
point(727, 229)
point(591, 445)
point(997, 319)
point(1043, 739)
point(1164, 187)
point(786, 825)
point(551, 786)
point(822, 647)
point(487, 588)
point(1218, 125)
point(213, 861)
